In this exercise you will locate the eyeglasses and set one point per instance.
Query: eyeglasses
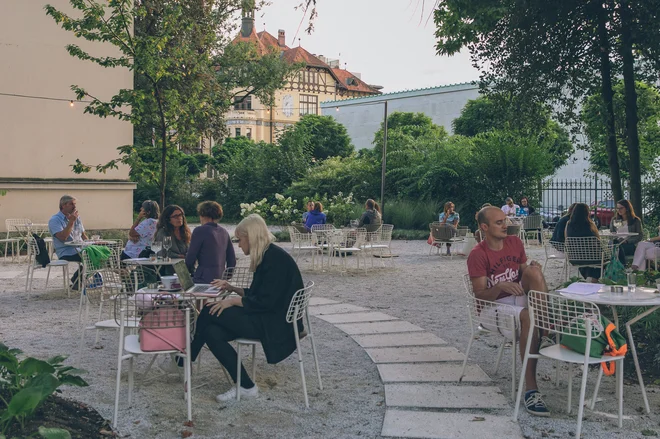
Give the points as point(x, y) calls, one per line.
point(620, 208)
point(177, 216)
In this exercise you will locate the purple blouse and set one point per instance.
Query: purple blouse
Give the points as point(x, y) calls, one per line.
point(212, 249)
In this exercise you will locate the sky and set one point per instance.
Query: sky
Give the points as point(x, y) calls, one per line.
point(383, 40)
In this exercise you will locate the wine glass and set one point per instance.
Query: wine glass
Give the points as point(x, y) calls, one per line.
point(157, 246)
point(617, 224)
point(167, 245)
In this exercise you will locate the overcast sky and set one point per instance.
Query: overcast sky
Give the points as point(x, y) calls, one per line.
point(381, 39)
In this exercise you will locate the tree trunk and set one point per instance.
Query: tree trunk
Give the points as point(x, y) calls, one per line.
point(632, 135)
point(608, 95)
point(163, 149)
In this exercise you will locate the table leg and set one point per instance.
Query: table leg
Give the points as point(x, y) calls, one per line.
point(634, 353)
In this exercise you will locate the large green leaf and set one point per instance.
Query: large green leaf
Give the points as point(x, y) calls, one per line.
point(32, 366)
point(73, 380)
point(8, 361)
point(24, 402)
point(53, 433)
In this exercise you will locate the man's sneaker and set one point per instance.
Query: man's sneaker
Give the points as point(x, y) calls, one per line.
point(534, 404)
point(231, 394)
point(546, 342)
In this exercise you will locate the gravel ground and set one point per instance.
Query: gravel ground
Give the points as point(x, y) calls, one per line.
point(426, 291)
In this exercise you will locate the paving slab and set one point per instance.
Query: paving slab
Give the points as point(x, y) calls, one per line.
point(398, 339)
point(438, 396)
point(421, 424)
point(415, 354)
point(12, 274)
point(339, 308)
point(429, 372)
point(321, 301)
point(378, 327)
point(357, 317)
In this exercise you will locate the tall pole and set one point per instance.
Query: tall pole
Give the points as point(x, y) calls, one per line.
point(382, 170)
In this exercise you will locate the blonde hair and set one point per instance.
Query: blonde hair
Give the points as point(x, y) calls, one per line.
point(259, 238)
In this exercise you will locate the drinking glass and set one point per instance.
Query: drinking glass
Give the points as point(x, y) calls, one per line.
point(167, 245)
point(632, 282)
point(157, 247)
point(617, 224)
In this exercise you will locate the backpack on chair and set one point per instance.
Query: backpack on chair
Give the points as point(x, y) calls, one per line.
point(42, 257)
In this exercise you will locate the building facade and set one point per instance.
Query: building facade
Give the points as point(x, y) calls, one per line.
point(319, 80)
point(43, 133)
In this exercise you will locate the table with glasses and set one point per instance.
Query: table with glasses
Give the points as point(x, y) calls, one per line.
point(643, 297)
point(156, 264)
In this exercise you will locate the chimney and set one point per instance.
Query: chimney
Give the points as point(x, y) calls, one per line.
point(281, 40)
point(247, 24)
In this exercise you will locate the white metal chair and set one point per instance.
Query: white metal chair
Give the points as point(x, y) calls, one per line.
point(321, 237)
point(33, 251)
point(498, 318)
point(563, 316)
point(11, 226)
point(303, 242)
point(346, 241)
point(532, 225)
point(443, 234)
point(554, 251)
point(164, 314)
point(587, 252)
point(297, 310)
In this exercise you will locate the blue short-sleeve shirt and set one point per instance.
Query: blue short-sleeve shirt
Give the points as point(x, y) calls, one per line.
point(56, 224)
point(452, 217)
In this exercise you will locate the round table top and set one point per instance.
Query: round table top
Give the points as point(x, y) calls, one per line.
point(643, 297)
point(623, 235)
point(147, 261)
point(87, 243)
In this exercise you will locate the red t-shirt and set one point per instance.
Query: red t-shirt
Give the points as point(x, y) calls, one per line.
point(497, 266)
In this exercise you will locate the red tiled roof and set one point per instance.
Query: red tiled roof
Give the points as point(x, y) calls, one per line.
point(270, 41)
point(252, 38)
point(298, 54)
point(356, 84)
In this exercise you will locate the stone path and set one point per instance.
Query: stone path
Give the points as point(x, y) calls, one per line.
point(423, 397)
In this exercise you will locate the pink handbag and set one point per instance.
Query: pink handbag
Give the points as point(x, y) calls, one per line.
point(163, 329)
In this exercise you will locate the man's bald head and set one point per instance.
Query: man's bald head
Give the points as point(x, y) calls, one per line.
point(484, 216)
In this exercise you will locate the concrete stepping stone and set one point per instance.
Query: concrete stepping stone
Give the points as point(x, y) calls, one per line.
point(356, 317)
point(429, 372)
point(339, 308)
point(415, 354)
point(321, 301)
point(398, 339)
point(438, 396)
point(378, 327)
point(422, 424)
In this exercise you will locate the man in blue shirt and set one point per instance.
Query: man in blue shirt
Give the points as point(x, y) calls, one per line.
point(66, 225)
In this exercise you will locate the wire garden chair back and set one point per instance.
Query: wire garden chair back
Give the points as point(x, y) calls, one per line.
point(240, 277)
point(587, 252)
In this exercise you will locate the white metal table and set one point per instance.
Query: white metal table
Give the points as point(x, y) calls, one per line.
point(156, 264)
point(642, 297)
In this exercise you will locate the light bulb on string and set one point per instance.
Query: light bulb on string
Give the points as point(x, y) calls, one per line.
point(71, 103)
point(337, 108)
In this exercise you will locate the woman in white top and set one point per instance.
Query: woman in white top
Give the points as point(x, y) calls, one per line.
point(510, 208)
point(143, 230)
point(645, 250)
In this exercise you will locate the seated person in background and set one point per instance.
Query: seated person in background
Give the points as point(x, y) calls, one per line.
point(371, 218)
point(173, 223)
point(143, 230)
point(316, 216)
point(451, 217)
point(310, 207)
point(66, 225)
point(499, 273)
point(646, 250)
point(525, 208)
point(559, 234)
point(581, 226)
point(210, 245)
point(258, 312)
point(509, 208)
point(631, 223)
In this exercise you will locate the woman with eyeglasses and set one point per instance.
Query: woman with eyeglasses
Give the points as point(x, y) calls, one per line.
point(627, 222)
point(173, 223)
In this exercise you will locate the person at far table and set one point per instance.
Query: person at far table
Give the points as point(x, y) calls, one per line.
point(559, 233)
point(258, 312)
point(451, 217)
point(525, 208)
point(371, 218)
point(316, 216)
point(509, 208)
point(66, 225)
point(632, 224)
point(172, 223)
point(210, 245)
point(499, 272)
point(310, 207)
point(581, 226)
point(646, 250)
point(143, 230)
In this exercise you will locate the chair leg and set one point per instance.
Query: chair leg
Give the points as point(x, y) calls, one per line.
point(583, 390)
point(467, 354)
point(65, 274)
point(570, 388)
point(238, 371)
point(27, 281)
point(600, 377)
point(130, 380)
point(316, 358)
point(500, 351)
point(619, 379)
point(513, 365)
point(118, 380)
point(47, 277)
point(300, 362)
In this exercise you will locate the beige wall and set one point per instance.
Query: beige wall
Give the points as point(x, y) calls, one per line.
point(41, 139)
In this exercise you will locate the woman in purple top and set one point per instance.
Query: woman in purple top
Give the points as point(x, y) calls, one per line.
point(210, 245)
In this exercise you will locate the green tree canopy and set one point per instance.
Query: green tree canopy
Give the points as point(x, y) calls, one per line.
point(322, 136)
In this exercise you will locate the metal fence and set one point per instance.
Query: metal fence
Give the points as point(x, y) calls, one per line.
point(557, 195)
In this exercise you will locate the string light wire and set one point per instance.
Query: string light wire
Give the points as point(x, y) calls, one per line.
point(44, 98)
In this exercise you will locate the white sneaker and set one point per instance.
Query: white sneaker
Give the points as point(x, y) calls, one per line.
point(231, 394)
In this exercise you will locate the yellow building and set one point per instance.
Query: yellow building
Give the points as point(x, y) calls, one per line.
point(320, 80)
point(43, 134)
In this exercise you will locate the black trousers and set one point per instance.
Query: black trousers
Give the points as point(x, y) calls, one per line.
point(626, 249)
point(217, 331)
point(73, 258)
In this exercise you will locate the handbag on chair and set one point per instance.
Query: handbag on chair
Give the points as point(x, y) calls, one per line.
point(163, 329)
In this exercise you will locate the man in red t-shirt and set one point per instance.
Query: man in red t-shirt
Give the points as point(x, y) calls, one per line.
point(499, 272)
